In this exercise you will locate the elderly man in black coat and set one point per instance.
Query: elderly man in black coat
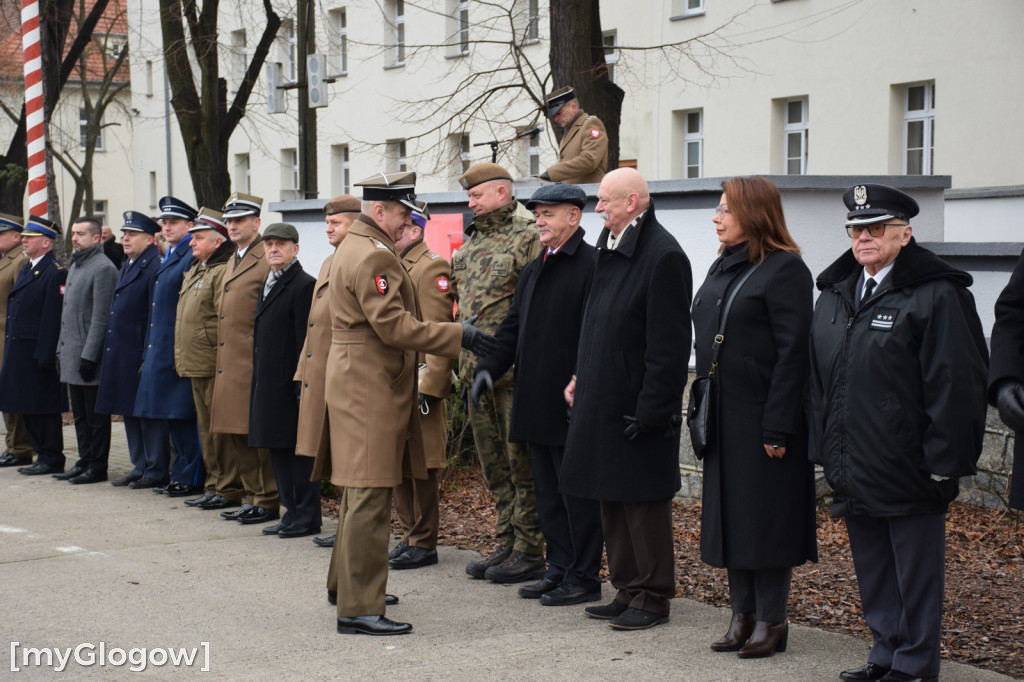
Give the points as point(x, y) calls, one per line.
point(280, 330)
point(1006, 372)
point(539, 335)
point(627, 399)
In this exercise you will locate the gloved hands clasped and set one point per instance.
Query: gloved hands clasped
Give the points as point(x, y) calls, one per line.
point(476, 341)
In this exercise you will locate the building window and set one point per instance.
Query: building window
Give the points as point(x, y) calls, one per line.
point(341, 22)
point(152, 189)
point(396, 25)
point(149, 78)
point(533, 155)
point(464, 151)
point(683, 9)
point(611, 52)
point(290, 169)
point(794, 136)
point(242, 180)
point(289, 50)
point(341, 171)
point(99, 211)
point(693, 143)
point(396, 159)
point(533, 20)
point(919, 130)
point(83, 131)
point(458, 27)
point(239, 56)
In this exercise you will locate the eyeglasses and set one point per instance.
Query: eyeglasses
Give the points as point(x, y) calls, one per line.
point(874, 229)
point(722, 209)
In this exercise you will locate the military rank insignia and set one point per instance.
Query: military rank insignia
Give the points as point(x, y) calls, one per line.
point(442, 284)
point(884, 318)
point(382, 284)
point(595, 133)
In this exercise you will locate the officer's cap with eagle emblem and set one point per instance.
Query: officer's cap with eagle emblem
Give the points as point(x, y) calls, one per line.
point(400, 187)
point(870, 203)
point(208, 219)
point(557, 99)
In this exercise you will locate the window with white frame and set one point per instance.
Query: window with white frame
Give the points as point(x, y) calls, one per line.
point(339, 49)
point(396, 25)
point(99, 211)
point(83, 130)
point(152, 189)
point(795, 136)
point(461, 26)
point(290, 169)
point(239, 56)
point(919, 130)
point(611, 52)
point(396, 158)
point(533, 20)
point(289, 50)
point(341, 171)
point(533, 155)
point(693, 143)
point(242, 179)
point(681, 9)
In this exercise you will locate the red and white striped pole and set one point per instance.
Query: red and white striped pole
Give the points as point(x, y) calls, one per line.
point(35, 125)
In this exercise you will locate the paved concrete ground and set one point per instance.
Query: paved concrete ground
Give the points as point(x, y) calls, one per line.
point(131, 569)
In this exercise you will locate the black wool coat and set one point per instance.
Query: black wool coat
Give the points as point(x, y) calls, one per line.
point(540, 335)
point(1007, 362)
point(278, 335)
point(632, 360)
point(757, 512)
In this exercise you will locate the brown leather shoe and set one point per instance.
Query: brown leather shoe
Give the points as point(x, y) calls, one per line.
point(767, 639)
point(518, 567)
point(740, 628)
point(477, 569)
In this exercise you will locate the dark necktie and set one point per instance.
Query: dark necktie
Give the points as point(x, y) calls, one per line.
point(869, 288)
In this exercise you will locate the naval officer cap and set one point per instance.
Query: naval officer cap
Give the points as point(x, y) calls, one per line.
point(870, 203)
point(400, 187)
point(285, 231)
point(208, 219)
point(173, 207)
point(558, 193)
point(139, 222)
point(240, 205)
point(557, 99)
point(10, 222)
point(343, 203)
point(483, 172)
point(41, 227)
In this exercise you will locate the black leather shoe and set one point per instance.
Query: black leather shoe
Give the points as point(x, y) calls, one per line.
point(181, 490)
point(398, 550)
point(324, 542)
point(126, 480)
point(535, 590)
point(200, 500)
point(89, 476)
point(39, 469)
point(233, 515)
point(216, 502)
point(414, 557)
point(296, 532)
point(568, 594)
point(478, 569)
point(9, 460)
point(70, 473)
point(272, 530)
point(897, 676)
point(372, 625)
point(606, 611)
point(637, 619)
point(871, 671)
point(145, 482)
point(389, 599)
point(259, 515)
point(519, 567)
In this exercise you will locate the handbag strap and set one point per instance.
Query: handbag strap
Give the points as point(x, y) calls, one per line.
point(720, 336)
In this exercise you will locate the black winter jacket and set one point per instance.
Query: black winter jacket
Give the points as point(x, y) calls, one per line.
point(897, 387)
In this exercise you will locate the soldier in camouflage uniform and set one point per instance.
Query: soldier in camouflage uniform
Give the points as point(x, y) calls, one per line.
point(501, 241)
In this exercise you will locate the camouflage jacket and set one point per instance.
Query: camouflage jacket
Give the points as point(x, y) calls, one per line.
point(486, 267)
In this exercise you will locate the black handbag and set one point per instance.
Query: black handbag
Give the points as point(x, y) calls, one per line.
point(701, 416)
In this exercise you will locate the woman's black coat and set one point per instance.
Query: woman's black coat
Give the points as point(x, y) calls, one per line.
point(758, 512)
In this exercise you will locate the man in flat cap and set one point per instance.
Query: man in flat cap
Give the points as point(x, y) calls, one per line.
point(17, 446)
point(898, 374)
point(83, 333)
point(416, 499)
point(539, 337)
point(164, 401)
point(195, 352)
point(282, 313)
point(371, 393)
point(243, 281)
point(583, 150)
point(502, 240)
point(29, 382)
point(313, 440)
point(125, 345)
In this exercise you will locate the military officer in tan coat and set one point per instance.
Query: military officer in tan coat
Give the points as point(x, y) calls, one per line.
point(18, 447)
point(416, 499)
point(371, 393)
point(583, 151)
point(229, 414)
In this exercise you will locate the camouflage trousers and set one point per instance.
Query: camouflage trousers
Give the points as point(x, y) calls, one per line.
point(508, 473)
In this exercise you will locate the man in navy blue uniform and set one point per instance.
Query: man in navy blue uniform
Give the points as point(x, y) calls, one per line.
point(164, 401)
point(29, 383)
point(126, 334)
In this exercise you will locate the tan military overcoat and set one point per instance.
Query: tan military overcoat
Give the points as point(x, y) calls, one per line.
point(10, 265)
point(583, 152)
point(313, 439)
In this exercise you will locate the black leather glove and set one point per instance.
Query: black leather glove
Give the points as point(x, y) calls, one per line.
point(634, 428)
point(545, 176)
point(87, 369)
point(1010, 401)
point(426, 402)
point(481, 380)
point(477, 342)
